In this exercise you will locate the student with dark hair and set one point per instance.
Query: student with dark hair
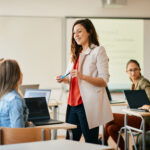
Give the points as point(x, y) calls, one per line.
point(138, 83)
point(88, 105)
point(13, 111)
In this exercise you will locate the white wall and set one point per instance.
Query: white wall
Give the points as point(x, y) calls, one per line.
point(147, 49)
point(36, 43)
point(134, 8)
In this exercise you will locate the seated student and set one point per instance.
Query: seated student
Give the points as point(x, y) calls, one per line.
point(13, 111)
point(139, 83)
point(147, 135)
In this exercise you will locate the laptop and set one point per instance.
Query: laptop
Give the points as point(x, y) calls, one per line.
point(28, 86)
point(112, 101)
point(38, 93)
point(38, 111)
point(136, 99)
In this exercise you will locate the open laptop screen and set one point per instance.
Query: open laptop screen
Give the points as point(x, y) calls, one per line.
point(38, 93)
point(136, 98)
point(37, 108)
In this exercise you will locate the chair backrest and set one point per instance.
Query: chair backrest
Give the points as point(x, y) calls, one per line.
point(22, 135)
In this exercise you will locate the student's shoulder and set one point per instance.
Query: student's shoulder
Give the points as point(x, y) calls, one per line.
point(144, 82)
point(12, 96)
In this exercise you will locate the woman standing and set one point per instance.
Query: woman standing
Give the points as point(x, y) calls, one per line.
point(13, 111)
point(88, 105)
point(138, 83)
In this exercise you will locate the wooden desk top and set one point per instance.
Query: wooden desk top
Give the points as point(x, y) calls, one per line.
point(119, 104)
point(53, 103)
point(59, 126)
point(136, 113)
point(55, 145)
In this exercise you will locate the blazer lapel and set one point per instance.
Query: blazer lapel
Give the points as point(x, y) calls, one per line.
point(82, 58)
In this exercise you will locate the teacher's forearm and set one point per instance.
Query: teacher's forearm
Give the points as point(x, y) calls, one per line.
point(94, 81)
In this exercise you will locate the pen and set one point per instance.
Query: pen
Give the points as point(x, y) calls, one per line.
point(64, 75)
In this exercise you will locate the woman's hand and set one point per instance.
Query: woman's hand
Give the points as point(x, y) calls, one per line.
point(76, 73)
point(58, 79)
point(30, 124)
point(146, 107)
point(65, 80)
point(92, 80)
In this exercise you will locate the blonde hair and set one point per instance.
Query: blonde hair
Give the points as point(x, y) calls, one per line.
point(10, 74)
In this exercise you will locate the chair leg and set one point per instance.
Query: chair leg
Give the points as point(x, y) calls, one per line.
point(118, 140)
point(0, 136)
point(135, 147)
point(42, 133)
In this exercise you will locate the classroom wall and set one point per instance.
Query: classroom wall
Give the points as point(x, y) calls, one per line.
point(134, 8)
point(89, 8)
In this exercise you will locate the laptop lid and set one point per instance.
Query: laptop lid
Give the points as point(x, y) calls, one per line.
point(112, 101)
point(108, 94)
point(38, 109)
point(136, 98)
point(28, 86)
point(38, 93)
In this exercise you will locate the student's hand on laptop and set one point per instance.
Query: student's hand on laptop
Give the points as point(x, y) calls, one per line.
point(146, 107)
point(30, 124)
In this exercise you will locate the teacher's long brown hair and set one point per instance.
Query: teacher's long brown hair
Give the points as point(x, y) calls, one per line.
point(93, 38)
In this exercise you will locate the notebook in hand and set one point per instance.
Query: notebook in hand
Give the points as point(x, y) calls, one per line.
point(38, 111)
point(136, 99)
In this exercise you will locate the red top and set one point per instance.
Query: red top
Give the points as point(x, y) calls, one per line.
point(74, 98)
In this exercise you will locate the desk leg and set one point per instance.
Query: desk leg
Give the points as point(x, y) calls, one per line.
point(126, 146)
point(103, 135)
point(70, 134)
point(143, 135)
point(55, 109)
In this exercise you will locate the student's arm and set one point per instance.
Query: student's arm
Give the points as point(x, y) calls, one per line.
point(146, 107)
point(16, 113)
point(147, 90)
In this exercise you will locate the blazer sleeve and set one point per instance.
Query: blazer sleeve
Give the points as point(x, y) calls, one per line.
point(102, 64)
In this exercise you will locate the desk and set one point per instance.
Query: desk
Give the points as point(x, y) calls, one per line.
point(54, 105)
point(66, 126)
point(141, 130)
point(119, 104)
point(55, 145)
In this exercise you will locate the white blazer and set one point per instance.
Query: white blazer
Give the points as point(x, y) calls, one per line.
point(95, 100)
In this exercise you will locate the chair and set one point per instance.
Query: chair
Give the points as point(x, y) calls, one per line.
point(22, 135)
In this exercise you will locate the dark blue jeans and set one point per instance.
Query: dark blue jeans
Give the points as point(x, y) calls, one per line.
point(77, 116)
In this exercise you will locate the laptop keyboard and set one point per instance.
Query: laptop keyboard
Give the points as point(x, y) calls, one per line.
point(47, 122)
point(139, 110)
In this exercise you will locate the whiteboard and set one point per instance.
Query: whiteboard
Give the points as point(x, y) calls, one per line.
point(36, 43)
point(123, 39)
